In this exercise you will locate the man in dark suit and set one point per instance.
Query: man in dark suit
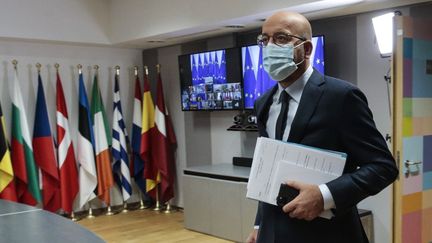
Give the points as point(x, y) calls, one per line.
point(320, 111)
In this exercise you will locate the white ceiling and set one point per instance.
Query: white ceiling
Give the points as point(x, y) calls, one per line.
point(154, 23)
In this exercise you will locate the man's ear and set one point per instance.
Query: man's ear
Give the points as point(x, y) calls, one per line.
point(308, 49)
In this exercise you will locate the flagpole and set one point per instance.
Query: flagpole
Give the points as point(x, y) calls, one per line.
point(72, 215)
point(57, 66)
point(79, 66)
point(146, 70)
point(73, 218)
point(168, 208)
point(109, 211)
point(117, 68)
point(125, 207)
point(142, 206)
point(158, 67)
point(38, 67)
point(158, 206)
point(90, 212)
point(15, 63)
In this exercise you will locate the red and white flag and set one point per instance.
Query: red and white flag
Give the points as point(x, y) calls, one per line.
point(66, 156)
point(163, 146)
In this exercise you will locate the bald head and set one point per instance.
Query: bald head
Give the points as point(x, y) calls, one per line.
point(298, 28)
point(292, 22)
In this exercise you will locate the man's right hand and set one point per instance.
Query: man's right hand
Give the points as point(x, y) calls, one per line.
point(252, 236)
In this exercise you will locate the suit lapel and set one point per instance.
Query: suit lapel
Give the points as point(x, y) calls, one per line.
point(308, 102)
point(262, 109)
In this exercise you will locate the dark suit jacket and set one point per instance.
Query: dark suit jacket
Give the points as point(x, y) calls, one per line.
point(332, 114)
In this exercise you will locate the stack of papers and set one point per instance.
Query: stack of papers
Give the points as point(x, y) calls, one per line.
point(277, 162)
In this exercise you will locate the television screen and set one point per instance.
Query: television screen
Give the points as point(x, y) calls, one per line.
point(211, 80)
point(256, 81)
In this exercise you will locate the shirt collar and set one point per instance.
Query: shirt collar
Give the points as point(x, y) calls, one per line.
point(295, 90)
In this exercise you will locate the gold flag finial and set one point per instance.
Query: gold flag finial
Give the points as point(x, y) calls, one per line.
point(146, 70)
point(96, 67)
point(57, 66)
point(38, 66)
point(79, 66)
point(117, 68)
point(136, 70)
point(158, 67)
point(15, 63)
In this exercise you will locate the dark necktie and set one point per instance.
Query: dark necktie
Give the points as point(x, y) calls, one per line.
point(282, 118)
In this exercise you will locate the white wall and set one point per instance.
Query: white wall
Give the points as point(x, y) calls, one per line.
point(371, 69)
point(28, 54)
point(80, 21)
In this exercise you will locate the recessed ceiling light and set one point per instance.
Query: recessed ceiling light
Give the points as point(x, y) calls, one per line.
point(235, 26)
point(155, 41)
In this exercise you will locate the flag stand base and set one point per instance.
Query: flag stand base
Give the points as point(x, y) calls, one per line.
point(90, 214)
point(73, 218)
point(142, 206)
point(109, 211)
point(168, 209)
point(157, 207)
point(125, 209)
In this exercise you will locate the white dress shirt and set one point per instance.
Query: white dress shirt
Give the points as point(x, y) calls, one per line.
point(295, 90)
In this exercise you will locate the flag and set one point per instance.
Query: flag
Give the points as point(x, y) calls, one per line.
point(216, 68)
point(66, 156)
point(137, 163)
point(7, 185)
point(200, 71)
point(148, 127)
point(211, 66)
point(101, 145)
point(119, 149)
point(87, 168)
point(206, 65)
point(222, 69)
point(163, 143)
point(193, 69)
point(44, 153)
point(249, 80)
point(318, 58)
point(264, 82)
point(24, 167)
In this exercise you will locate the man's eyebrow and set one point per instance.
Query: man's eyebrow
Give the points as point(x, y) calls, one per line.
point(278, 32)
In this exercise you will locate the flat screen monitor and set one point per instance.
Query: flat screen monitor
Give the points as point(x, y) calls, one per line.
point(211, 80)
point(256, 81)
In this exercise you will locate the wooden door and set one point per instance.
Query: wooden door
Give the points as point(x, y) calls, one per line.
point(412, 130)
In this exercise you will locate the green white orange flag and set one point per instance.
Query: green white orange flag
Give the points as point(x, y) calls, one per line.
point(101, 145)
point(25, 170)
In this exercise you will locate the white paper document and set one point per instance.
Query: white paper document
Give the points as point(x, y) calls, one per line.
point(276, 162)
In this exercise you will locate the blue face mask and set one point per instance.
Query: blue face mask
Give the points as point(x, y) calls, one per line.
point(279, 60)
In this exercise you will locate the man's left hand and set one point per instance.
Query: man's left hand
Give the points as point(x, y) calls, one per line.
point(308, 204)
